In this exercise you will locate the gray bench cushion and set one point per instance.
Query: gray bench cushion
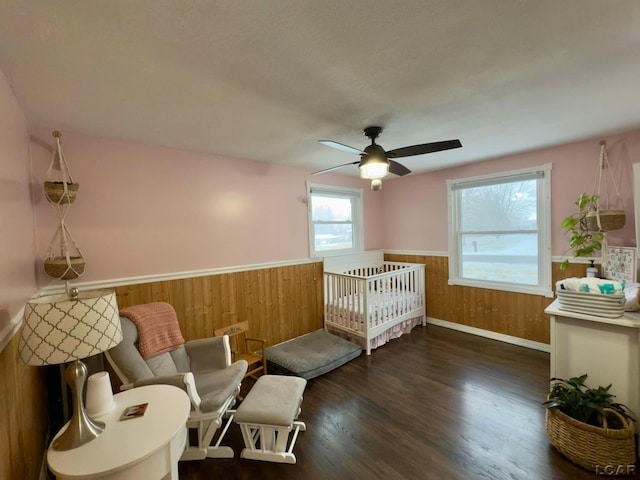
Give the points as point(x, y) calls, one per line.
point(311, 355)
point(216, 386)
point(273, 400)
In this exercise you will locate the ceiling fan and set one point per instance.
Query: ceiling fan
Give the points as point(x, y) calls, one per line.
point(375, 163)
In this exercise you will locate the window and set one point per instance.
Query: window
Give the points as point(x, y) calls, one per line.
point(499, 231)
point(335, 220)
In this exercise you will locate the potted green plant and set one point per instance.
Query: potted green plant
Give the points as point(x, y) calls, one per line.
point(582, 240)
point(587, 426)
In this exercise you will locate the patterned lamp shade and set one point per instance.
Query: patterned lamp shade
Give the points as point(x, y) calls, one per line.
point(61, 328)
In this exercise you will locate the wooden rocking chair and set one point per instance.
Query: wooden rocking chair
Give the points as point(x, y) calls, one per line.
point(253, 350)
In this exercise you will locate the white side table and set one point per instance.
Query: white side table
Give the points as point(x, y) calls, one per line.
point(146, 447)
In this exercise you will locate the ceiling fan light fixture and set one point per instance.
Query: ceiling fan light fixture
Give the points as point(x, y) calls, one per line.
point(376, 184)
point(374, 168)
point(375, 162)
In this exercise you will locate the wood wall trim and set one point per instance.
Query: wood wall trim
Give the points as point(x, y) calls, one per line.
point(286, 301)
point(25, 415)
point(280, 303)
point(508, 313)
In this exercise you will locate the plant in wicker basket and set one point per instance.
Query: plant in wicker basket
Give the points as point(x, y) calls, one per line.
point(588, 427)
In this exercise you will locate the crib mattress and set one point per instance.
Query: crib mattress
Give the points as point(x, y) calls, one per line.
point(379, 306)
point(311, 355)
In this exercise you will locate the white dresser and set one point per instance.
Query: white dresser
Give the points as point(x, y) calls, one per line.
point(607, 349)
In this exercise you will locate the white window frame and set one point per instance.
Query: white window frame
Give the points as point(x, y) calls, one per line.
point(357, 215)
point(544, 229)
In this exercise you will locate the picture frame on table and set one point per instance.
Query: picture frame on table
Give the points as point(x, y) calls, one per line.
point(134, 411)
point(620, 264)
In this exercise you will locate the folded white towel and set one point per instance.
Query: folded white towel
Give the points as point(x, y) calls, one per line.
point(631, 294)
point(597, 286)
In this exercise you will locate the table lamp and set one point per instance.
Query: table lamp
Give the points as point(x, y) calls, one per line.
point(67, 328)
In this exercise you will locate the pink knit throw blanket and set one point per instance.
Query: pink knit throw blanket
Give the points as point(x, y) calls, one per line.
point(158, 328)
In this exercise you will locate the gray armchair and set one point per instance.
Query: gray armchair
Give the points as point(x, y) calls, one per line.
point(202, 368)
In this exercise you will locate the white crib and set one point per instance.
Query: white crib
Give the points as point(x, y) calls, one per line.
point(370, 301)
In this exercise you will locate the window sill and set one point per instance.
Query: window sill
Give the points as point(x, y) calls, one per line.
point(506, 287)
point(335, 253)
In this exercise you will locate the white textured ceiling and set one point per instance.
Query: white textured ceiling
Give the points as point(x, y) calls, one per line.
point(264, 79)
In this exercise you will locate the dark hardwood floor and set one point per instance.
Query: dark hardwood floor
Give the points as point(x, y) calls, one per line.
point(434, 404)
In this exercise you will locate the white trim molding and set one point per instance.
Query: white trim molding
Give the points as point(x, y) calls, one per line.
point(423, 253)
point(585, 260)
point(522, 342)
point(120, 282)
point(10, 329)
point(438, 253)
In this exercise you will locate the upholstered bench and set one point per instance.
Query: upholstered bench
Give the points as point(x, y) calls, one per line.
point(267, 416)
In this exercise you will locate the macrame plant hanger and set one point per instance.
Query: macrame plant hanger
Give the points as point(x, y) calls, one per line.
point(603, 218)
point(64, 260)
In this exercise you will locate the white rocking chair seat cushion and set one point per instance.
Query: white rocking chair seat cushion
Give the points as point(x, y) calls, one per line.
point(215, 387)
point(273, 400)
point(176, 380)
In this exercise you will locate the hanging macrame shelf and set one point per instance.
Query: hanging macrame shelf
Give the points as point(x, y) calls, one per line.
point(64, 260)
point(603, 218)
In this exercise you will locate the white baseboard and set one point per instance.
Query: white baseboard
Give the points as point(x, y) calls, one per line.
point(543, 347)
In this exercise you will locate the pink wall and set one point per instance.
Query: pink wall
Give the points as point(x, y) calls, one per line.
point(144, 210)
point(415, 207)
point(17, 247)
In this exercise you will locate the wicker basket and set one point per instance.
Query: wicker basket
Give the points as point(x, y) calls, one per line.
point(609, 220)
point(57, 267)
point(591, 447)
point(55, 192)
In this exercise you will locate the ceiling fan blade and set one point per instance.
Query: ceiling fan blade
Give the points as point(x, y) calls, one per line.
point(424, 148)
point(340, 146)
point(334, 168)
point(398, 169)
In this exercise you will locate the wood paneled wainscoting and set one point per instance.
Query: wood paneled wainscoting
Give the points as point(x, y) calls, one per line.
point(279, 302)
point(515, 314)
point(24, 413)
